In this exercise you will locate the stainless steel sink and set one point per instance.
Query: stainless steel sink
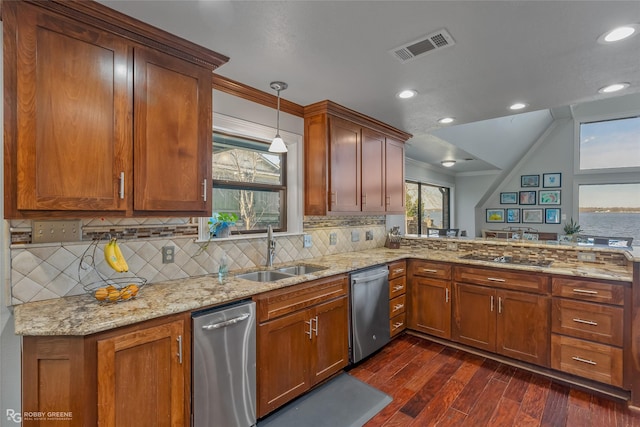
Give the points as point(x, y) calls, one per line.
point(508, 260)
point(264, 276)
point(298, 270)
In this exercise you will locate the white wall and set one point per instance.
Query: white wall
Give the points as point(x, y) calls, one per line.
point(10, 343)
point(470, 187)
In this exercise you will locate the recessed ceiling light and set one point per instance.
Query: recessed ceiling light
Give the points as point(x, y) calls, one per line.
point(406, 94)
point(613, 88)
point(518, 106)
point(619, 33)
point(448, 163)
point(446, 120)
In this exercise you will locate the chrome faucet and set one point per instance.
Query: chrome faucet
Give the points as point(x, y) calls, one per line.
point(271, 246)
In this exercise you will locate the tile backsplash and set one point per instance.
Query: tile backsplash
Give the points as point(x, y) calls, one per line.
point(52, 270)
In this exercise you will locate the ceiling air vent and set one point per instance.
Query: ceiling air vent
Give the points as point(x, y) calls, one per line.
point(434, 41)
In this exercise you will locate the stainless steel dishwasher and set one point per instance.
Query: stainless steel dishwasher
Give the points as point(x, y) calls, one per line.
point(224, 366)
point(370, 328)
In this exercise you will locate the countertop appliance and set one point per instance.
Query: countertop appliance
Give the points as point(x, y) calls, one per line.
point(370, 328)
point(224, 366)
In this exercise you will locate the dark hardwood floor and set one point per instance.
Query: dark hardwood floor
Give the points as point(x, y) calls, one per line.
point(432, 384)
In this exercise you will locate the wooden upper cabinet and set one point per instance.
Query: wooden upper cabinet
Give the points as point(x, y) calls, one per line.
point(345, 173)
point(172, 118)
point(353, 163)
point(72, 112)
point(98, 122)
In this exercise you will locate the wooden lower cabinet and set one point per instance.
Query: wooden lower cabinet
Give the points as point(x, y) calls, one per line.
point(511, 323)
point(141, 379)
point(430, 306)
point(131, 376)
point(302, 339)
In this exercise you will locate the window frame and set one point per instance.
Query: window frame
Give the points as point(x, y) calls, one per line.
point(446, 210)
point(294, 213)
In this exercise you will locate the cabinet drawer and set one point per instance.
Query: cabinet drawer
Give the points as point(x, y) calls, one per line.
point(595, 291)
point(397, 269)
point(436, 270)
point(397, 324)
point(501, 278)
point(598, 362)
point(397, 287)
point(273, 304)
point(397, 305)
point(589, 321)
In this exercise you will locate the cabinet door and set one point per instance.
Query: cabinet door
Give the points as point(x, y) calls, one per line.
point(331, 339)
point(141, 378)
point(284, 348)
point(344, 168)
point(373, 183)
point(474, 321)
point(73, 135)
point(430, 306)
point(172, 155)
point(523, 326)
point(394, 177)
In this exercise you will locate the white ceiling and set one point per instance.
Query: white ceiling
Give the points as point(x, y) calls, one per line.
point(543, 53)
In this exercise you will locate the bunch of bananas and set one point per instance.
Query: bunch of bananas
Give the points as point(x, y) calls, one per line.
point(114, 258)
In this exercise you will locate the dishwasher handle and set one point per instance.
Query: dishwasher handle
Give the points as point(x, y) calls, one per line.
point(227, 322)
point(363, 279)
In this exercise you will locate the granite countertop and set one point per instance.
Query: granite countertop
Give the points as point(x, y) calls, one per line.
point(83, 315)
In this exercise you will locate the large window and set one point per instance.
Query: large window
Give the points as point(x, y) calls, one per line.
point(607, 183)
point(250, 182)
point(610, 144)
point(427, 206)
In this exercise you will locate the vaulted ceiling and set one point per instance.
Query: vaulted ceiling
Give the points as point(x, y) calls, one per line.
point(543, 53)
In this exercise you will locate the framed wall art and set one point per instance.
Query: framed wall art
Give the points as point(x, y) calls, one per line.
point(530, 181)
point(532, 216)
point(495, 215)
point(513, 215)
point(552, 215)
point(527, 197)
point(549, 197)
point(552, 180)
point(510, 198)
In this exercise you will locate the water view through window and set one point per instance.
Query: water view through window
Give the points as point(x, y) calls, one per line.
point(610, 210)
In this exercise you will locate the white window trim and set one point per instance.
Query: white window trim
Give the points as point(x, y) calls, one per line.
point(294, 143)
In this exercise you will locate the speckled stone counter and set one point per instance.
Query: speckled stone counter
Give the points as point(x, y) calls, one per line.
point(83, 315)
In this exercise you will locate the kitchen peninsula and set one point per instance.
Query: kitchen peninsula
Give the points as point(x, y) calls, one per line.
point(556, 295)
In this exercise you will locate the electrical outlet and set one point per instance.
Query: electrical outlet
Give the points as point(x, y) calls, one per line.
point(306, 241)
point(586, 256)
point(56, 231)
point(451, 246)
point(168, 254)
point(333, 238)
point(355, 236)
point(369, 235)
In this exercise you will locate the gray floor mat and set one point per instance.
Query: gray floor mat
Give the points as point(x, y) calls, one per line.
point(342, 402)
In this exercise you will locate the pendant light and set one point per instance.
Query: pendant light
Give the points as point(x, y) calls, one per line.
point(277, 145)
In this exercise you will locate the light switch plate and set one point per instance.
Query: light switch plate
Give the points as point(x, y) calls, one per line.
point(47, 231)
point(355, 236)
point(586, 256)
point(306, 241)
point(369, 235)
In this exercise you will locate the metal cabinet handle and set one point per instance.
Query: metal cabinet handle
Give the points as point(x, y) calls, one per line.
point(446, 294)
point(121, 190)
point(491, 303)
point(586, 322)
point(179, 339)
point(499, 305)
point(580, 359)
point(398, 270)
point(495, 279)
point(387, 200)
point(310, 331)
point(316, 329)
point(204, 189)
point(364, 199)
point(429, 270)
point(397, 325)
point(398, 288)
point(585, 292)
point(398, 307)
point(229, 322)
